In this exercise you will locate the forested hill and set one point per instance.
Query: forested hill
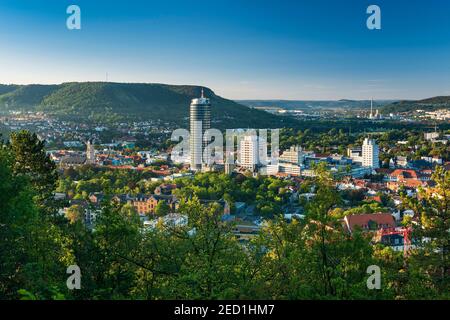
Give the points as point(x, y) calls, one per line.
point(430, 104)
point(111, 101)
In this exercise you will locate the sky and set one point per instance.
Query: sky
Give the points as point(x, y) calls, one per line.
point(246, 49)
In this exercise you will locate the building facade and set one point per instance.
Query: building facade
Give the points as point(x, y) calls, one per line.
point(249, 152)
point(90, 152)
point(370, 154)
point(200, 121)
point(294, 155)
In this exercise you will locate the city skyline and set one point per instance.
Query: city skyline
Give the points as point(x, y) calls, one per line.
point(238, 153)
point(264, 50)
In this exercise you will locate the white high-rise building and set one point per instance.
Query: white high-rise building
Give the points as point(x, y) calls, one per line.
point(294, 155)
point(249, 152)
point(200, 121)
point(370, 154)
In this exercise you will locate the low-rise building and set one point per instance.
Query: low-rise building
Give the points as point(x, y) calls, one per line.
point(369, 222)
point(146, 204)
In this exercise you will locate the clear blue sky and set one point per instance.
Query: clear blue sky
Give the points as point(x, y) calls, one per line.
point(248, 49)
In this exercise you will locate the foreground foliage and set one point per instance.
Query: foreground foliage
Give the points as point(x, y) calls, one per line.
point(304, 259)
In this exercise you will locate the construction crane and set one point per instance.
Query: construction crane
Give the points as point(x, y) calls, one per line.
point(405, 232)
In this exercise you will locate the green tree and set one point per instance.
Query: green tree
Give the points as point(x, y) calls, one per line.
point(117, 244)
point(34, 252)
point(75, 213)
point(432, 233)
point(31, 160)
point(162, 209)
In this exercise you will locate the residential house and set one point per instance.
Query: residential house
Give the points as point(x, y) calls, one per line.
point(146, 204)
point(369, 222)
point(406, 177)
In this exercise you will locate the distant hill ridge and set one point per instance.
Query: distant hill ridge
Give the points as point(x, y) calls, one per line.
point(114, 101)
point(314, 104)
point(430, 104)
point(385, 106)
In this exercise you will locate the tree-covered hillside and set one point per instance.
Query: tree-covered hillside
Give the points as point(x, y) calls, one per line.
point(24, 97)
point(102, 100)
point(430, 104)
point(5, 88)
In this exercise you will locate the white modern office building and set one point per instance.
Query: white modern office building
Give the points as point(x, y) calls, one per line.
point(370, 154)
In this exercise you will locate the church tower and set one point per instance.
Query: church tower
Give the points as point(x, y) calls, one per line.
point(90, 152)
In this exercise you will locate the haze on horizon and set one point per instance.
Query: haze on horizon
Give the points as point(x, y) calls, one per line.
point(242, 50)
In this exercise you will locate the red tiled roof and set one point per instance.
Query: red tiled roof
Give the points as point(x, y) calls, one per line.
point(406, 183)
point(406, 173)
point(383, 220)
point(375, 198)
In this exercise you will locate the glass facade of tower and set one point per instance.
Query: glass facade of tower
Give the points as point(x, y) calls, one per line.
point(200, 121)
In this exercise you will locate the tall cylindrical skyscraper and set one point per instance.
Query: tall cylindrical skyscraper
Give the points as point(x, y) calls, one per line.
point(200, 121)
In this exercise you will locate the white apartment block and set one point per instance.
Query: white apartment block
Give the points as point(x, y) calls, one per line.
point(370, 154)
point(294, 155)
point(249, 152)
